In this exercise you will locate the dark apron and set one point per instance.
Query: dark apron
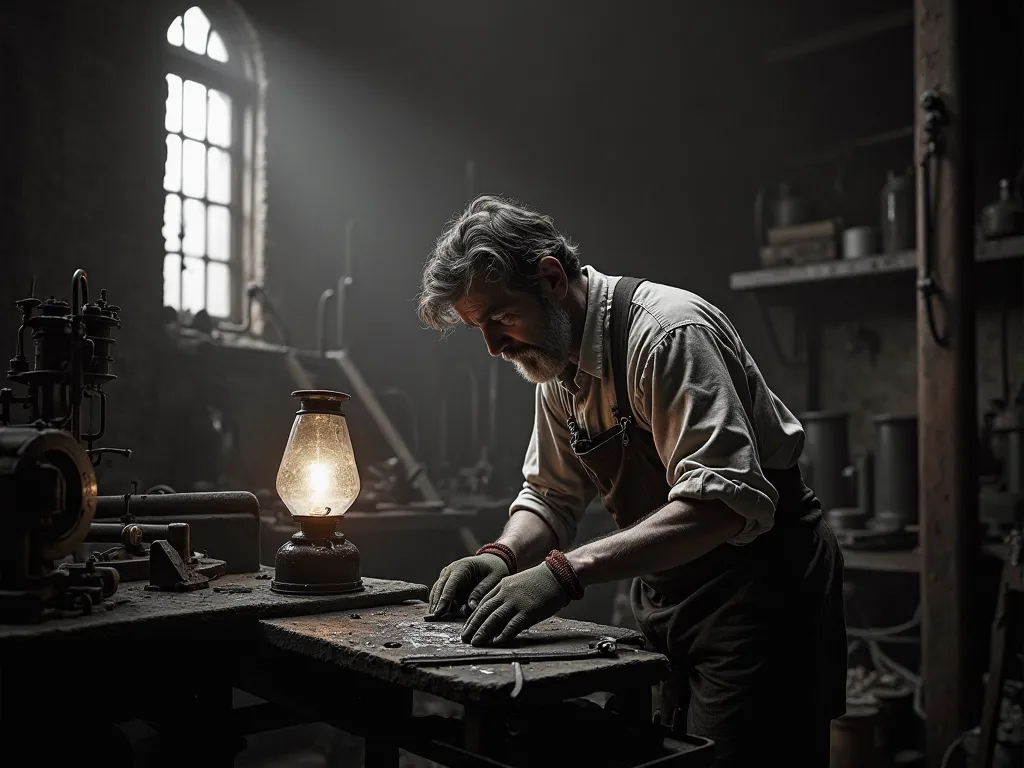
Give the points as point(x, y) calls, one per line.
point(756, 634)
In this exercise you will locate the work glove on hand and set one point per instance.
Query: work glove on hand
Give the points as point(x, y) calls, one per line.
point(464, 582)
point(517, 603)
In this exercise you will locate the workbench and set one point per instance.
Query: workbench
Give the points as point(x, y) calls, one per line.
point(173, 659)
point(166, 658)
point(364, 662)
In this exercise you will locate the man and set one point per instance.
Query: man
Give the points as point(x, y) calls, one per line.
point(646, 394)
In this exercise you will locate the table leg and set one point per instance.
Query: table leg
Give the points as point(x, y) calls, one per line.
point(484, 729)
point(636, 705)
point(192, 713)
point(395, 707)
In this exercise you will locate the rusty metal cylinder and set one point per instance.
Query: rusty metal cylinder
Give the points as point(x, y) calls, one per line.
point(1013, 464)
point(854, 741)
point(178, 505)
point(826, 459)
point(51, 336)
point(133, 534)
point(136, 534)
point(896, 469)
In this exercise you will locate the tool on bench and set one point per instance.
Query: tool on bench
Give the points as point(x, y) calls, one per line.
point(517, 670)
point(605, 647)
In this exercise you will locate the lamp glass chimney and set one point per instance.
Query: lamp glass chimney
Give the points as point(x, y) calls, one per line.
point(318, 476)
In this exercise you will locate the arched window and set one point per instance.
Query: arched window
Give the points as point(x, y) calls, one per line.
point(213, 182)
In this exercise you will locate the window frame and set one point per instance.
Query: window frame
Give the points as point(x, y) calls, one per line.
point(233, 78)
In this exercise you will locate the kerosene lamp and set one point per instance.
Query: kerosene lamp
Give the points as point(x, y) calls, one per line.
point(318, 481)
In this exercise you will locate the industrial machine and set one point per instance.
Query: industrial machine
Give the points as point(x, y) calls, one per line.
point(48, 490)
point(50, 510)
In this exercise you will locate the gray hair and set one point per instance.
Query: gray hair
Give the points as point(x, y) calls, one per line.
point(495, 238)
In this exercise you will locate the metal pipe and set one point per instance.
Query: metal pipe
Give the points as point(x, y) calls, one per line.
point(135, 534)
point(252, 293)
point(79, 298)
point(94, 436)
point(344, 283)
point(321, 320)
point(178, 505)
point(113, 533)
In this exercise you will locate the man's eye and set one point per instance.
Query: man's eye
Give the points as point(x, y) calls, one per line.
point(503, 319)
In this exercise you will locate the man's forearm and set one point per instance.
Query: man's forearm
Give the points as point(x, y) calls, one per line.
point(529, 537)
point(676, 534)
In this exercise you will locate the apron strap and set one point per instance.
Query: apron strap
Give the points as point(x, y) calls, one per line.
point(622, 300)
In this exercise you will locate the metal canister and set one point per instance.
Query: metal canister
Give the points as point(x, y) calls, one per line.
point(1013, 463)
point(896, 470)
point(899, 213)
point(860, 241)
point(854, 742)
point(826, 457)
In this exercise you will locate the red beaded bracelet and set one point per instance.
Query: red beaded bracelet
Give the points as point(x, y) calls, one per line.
point(500, 550)
point(564, 572)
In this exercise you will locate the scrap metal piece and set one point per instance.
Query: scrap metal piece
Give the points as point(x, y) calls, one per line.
point(604, 648)
point(169, 573)
point(517, 670)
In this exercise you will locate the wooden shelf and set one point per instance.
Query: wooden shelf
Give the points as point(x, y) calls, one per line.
point(904, 561)
point(863, 268)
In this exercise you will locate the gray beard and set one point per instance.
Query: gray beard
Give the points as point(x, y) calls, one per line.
point(542, 362)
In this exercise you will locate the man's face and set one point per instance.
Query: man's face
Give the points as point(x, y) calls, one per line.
point(531, 331)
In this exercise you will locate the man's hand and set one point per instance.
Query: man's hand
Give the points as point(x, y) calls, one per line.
point(517, 603)
point(464, 582)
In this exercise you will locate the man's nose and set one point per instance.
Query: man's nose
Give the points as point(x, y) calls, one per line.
point(495, 340)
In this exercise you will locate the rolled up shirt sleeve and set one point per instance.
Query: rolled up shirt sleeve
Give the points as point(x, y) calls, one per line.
point(556, 486)
point(693, 391)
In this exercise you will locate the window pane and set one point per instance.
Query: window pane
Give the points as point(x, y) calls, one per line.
point(195, 228)
point(197, 27)
point(172, 279)
point(193, 285)
point(172, 168)
point(218, 227)
point(172, 223)
point(219, 116)
point(218, 289)
point(175, 32)
point(194, 183)
point(194, 110)
point(172, 112)
point(220, 176)
point(216, 49)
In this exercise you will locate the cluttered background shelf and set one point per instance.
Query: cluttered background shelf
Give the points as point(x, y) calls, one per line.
point(901, 264)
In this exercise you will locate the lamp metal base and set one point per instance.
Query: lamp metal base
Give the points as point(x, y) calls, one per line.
point(289, 588)
point(318, 560)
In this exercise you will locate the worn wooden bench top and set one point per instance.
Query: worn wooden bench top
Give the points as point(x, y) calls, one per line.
point(234, 597)
point(374, 642)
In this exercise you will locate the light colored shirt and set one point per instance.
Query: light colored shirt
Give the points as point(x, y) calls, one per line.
point(691, 383)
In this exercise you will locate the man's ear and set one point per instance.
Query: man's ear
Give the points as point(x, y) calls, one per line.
point(553, 280)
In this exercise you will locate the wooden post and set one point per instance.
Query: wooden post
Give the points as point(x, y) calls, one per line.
point(947, 398)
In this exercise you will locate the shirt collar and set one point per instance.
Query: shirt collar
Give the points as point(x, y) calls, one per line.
point(592, 345)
